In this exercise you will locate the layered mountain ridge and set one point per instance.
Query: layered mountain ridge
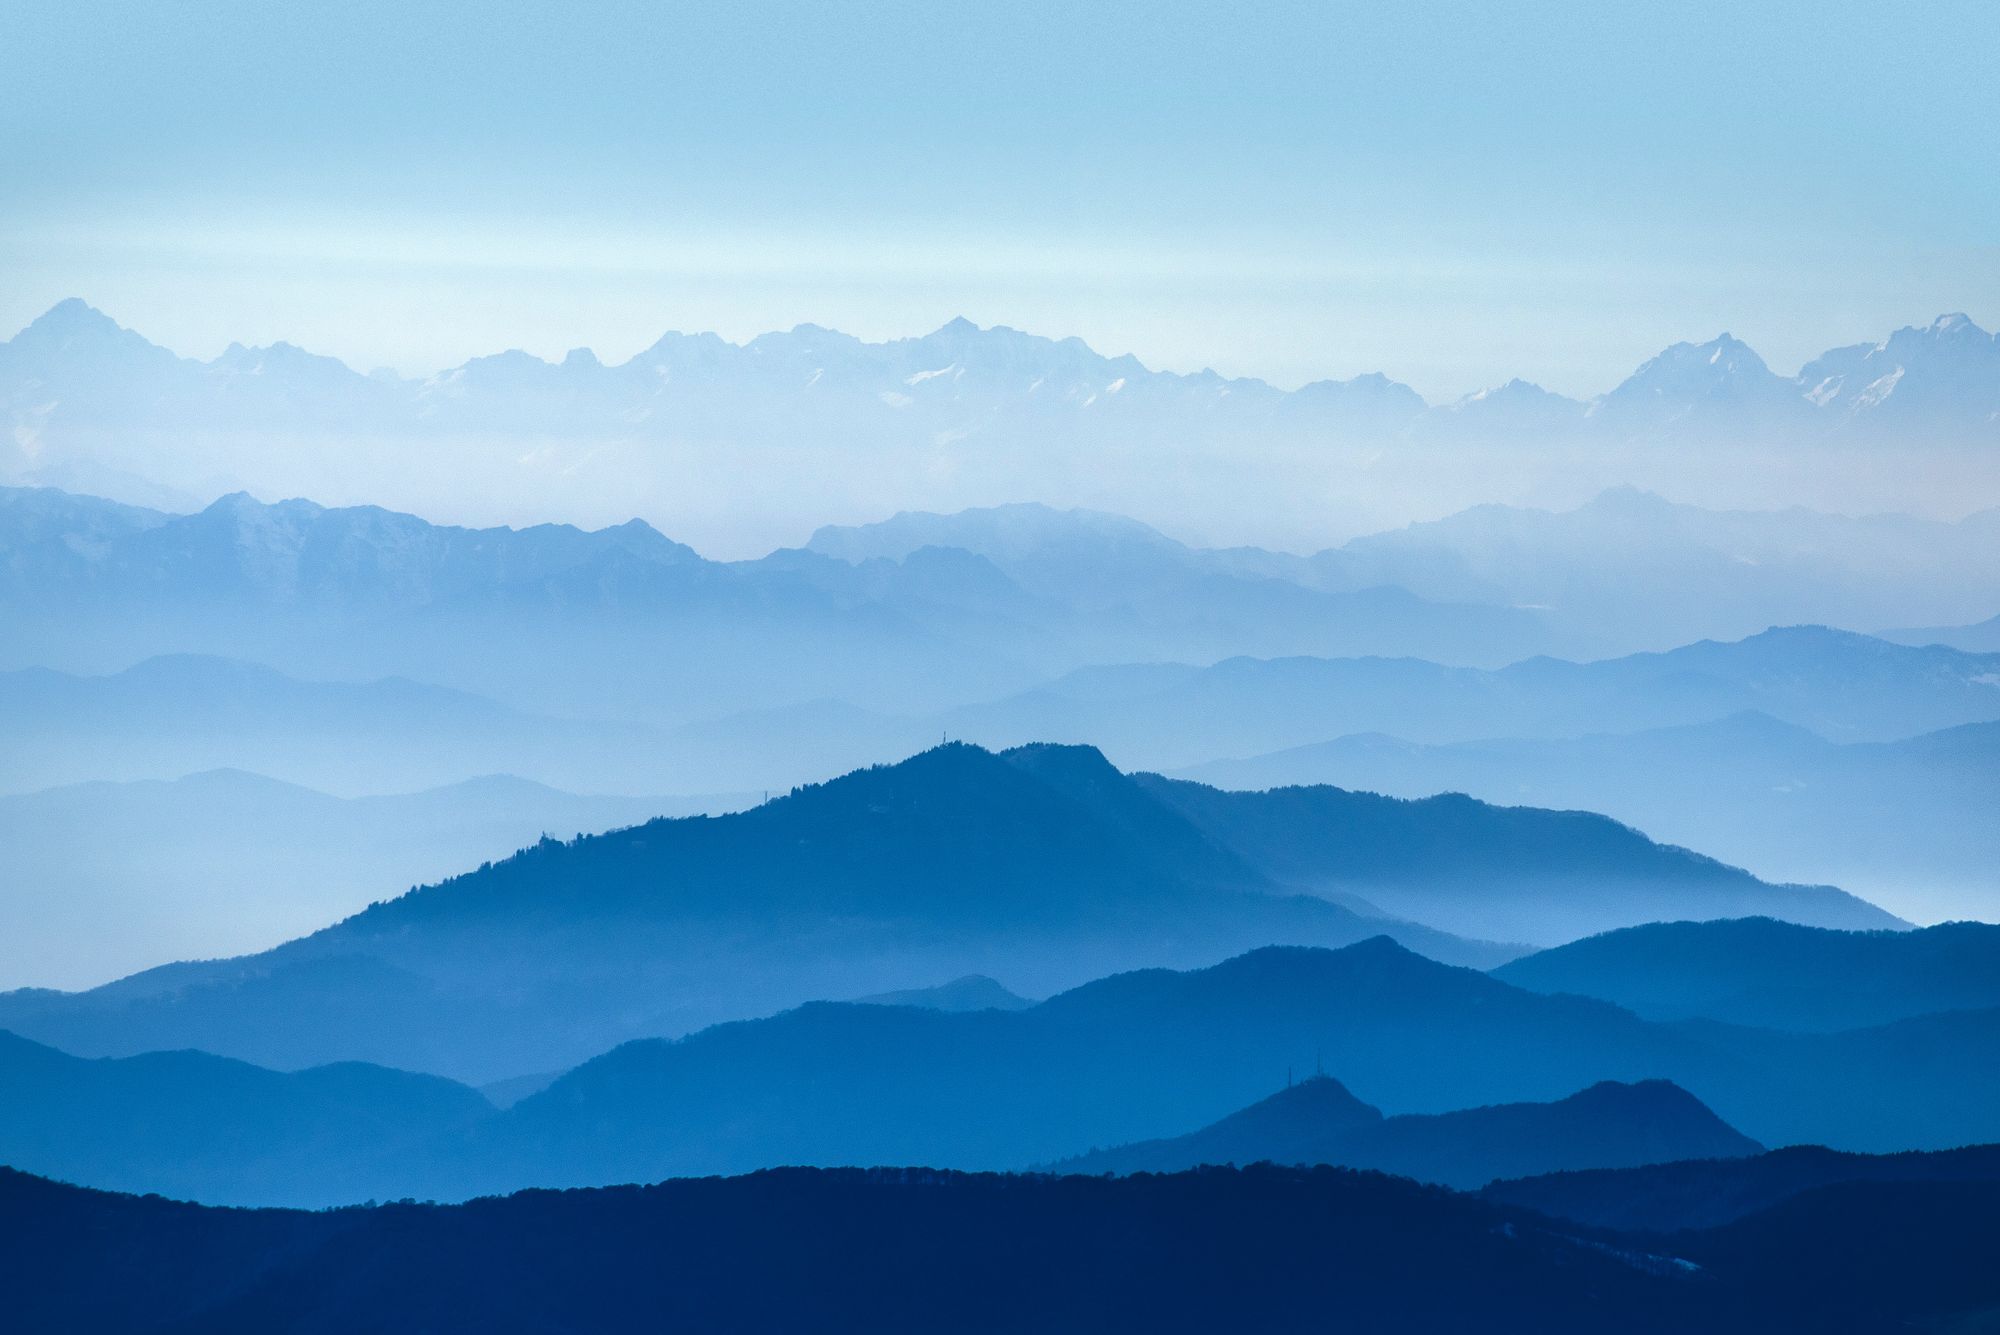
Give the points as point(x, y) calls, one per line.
point(1043, 865)
point(1479, 1078)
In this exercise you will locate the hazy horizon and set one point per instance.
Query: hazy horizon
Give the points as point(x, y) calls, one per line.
point(1446, 193)
point(741, 449)
point(916, 334)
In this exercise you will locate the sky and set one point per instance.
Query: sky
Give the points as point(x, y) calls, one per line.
point(1451, 194)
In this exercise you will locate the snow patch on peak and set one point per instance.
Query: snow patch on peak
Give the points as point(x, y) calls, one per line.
point(1880, 389)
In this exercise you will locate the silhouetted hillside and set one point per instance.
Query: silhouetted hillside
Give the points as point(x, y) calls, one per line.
point(1864, 1256)
point(1775, 974)
point(1264, 1249)
point(1318, 1122)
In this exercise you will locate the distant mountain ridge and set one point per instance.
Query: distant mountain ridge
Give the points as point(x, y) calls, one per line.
point(1901, 821)
point(1544, 877)
point(1648, 572)
point(109, 878)
point(74, 361)
point(1980, 637)
point(1838, 686)
point(1609, 1125)
point(1756, 971)
point(750, 445)
point(367, 592)
point(1169, 716)
point(166, 717)
point(990, 599)
point(1033, 624)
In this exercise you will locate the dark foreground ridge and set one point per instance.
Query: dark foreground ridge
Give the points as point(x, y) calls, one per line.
point(919, 1250)
point(1706, 1193)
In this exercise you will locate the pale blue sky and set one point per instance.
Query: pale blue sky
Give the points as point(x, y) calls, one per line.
point(1453, 194)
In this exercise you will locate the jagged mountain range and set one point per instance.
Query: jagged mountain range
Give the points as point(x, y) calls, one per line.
point(746, 447)
point(76, 366)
